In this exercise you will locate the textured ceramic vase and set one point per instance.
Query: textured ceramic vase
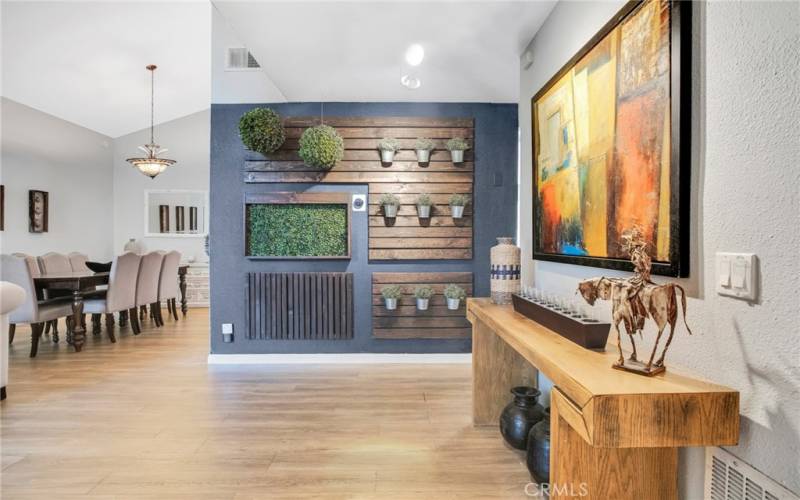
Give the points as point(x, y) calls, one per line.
point(520, 416)
point(538, 455)
point(505, 270)
point(134, 246)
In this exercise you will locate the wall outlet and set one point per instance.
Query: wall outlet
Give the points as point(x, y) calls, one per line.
point(227, 332)
point(737, 275)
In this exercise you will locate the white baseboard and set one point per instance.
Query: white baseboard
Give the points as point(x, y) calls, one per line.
point(356, 358)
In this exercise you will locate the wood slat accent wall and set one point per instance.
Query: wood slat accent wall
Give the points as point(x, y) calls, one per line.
point(406, 322)
point(441, 236)
point(299, 306)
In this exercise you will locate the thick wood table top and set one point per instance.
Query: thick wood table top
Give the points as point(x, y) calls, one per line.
point(74, 281)
point(603, 397)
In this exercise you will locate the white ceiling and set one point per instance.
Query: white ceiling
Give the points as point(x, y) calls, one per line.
point(353, 51)
point(85, 62)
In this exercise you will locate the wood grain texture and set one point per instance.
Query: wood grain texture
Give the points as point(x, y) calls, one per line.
point(148, 418)
point(404, 177)
point(496, 368)
point(406, 322)
point(613, 434)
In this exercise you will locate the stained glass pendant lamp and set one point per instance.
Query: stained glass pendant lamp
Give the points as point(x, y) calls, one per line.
point(152, 165)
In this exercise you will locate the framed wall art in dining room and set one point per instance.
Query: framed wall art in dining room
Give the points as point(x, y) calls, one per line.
point(38, 211)
point(611, 143)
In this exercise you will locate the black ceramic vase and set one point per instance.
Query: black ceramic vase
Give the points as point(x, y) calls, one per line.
point(538, 456)
point(520, 415)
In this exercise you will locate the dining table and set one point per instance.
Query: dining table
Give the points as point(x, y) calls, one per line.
point(80, 284)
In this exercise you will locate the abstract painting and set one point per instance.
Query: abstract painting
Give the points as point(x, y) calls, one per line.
point(607, 132)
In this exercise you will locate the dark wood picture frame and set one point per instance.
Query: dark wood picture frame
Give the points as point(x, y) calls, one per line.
point(680, 152)
point(43, 225)
point(288, 198)
point(2, 207)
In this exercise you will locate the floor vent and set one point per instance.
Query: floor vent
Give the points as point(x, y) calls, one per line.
point(728, 478)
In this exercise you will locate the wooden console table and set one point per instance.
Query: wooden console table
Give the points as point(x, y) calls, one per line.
point(616, 432)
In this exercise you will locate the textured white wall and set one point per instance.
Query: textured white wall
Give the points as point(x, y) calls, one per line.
point(745, 198)
point(71, 163)
point(188, 140)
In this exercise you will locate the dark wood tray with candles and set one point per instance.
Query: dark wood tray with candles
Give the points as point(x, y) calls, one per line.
point(590, 334)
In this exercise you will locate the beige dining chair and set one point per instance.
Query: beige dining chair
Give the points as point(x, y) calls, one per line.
point(36, 271)
point(54, 263)
point(147, 284)
point(32, 311)
point(121, 293)
point(168, 282)
point(77, 262)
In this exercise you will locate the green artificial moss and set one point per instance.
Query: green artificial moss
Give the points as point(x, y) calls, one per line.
point(297, 230)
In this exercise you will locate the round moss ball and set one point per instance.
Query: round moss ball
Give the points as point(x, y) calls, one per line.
point(261, 130)
point(321, 147)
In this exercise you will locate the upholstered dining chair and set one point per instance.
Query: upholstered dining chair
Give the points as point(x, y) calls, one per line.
point(77, 262)
point(168, 282)
point(32, 311)
point(121, 293)
point(36, 270)
point(53, 262)
point(147, 284)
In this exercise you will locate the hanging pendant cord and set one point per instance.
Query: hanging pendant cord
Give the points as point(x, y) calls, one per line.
point(152, 91)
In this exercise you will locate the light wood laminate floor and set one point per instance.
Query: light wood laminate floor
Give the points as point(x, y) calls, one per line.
point(148, 418)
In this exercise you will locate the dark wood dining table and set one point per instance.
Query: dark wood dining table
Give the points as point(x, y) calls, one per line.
point(81, 284)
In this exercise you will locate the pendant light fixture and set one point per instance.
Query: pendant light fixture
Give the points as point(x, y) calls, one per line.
point(152, 165)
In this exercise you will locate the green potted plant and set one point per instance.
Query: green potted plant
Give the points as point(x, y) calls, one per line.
point(391, 294)
point(424, 205)
point(454, 295)
point(457, 146)
point(390, 204)
point(321, 147)
point(261, 130)
point(424, 147)
point(457, 204)
point(388, 147)
point(423, 295)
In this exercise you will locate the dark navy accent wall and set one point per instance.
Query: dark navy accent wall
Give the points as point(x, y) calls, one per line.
point(495, 202)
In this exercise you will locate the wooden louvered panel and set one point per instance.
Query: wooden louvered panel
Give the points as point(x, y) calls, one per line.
point(406, 322)
point(388, 238)
point(300, 306)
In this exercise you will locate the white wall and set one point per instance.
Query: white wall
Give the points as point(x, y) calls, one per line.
point(745, 198)
point(188, 140)
point(71, 163)
point(231, 87)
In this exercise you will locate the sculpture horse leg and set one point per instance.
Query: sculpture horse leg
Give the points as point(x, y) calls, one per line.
point(621, 361)
point(633, 342)
point(655, 347)
point(660, 361)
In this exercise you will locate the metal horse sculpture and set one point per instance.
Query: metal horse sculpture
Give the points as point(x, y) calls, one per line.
point(635, 299)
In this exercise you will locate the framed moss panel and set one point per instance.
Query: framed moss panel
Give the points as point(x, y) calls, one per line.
point(291, 225)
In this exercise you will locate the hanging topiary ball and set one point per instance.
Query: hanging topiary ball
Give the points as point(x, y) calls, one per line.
point(261, 130)
point(321, 147)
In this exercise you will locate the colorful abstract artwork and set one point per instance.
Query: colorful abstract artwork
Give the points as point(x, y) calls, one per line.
point(603, 137)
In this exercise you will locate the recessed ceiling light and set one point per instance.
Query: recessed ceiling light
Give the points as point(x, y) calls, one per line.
point(410, 82)
point(415, 54)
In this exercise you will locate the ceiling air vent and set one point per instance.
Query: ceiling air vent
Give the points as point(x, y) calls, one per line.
point(240, 59)
point(728, 478)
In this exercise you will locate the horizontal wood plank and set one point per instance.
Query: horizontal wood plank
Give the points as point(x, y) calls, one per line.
point(438, 287)
point(420, 232)
point(372, 155)
point(420, 243)
point(414, 221)
point(408, 300)
point(441, 210)
point(418, 278)
point(422, 333)
point(427, 254)
point(413, 322)
point(357, 166)
point(411, 310)
point(357, 177)
point(438, 199)
point(416, 187)
point(443, 133)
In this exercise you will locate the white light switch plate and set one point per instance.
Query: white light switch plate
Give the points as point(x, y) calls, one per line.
point(227, 328)
point(359, 202)
point(737, 275)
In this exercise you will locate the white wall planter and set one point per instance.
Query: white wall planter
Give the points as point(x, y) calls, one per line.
point(390, 304)
point(453, 304)
point(423, 156)
point(457, 155)
point(424, 211)
point(422, 304)
point(387, 156)
point(390, 210)
point(457, 211)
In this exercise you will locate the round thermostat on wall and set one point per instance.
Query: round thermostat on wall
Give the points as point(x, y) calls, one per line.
point(359, 202)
